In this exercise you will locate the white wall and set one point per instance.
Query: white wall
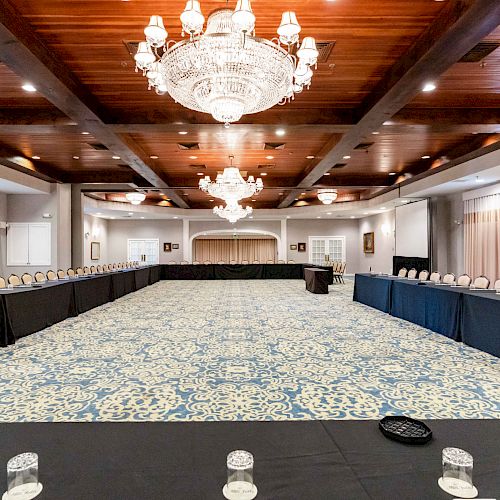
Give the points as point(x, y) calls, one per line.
point(383, 226)
point(95, 229)
point(166, 231)
point(299, 231)
point(244, 225)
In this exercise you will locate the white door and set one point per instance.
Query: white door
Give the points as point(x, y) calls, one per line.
point(143, 250)
point(18, 244)
point(39, 244)
point(320, 246)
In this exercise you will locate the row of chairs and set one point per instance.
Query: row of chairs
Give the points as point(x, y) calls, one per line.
point(448, 279)
point(39, 277)
point(207, 262)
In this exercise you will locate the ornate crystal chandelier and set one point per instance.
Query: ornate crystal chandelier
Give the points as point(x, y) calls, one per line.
point(327, 196)
point(226, 70)
point(230, 185)
point(233, 211)
point(135, 198)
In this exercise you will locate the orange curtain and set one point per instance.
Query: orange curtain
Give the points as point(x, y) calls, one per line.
point(482, 237)
point(227, 250)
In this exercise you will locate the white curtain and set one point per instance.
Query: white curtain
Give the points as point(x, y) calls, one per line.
point(482, 237)
point(227, 250)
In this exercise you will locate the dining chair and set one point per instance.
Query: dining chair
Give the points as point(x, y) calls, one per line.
point(412, 273)
point(27, 279)
point(464, 280)
point(423, 275)
point(14, 280)
point(482, 282)
point(449, 279)
point(40, 277)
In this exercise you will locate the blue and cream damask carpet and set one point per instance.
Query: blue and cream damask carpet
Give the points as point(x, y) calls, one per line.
point(242, 350)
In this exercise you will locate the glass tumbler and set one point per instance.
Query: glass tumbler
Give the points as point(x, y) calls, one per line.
point(457, 473)
point(22, 477)
point(240, 476)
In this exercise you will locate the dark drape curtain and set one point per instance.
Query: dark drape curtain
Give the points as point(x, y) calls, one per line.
point(237, 250)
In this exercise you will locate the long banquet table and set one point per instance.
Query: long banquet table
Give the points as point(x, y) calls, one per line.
point(468, 316)
point(237, 271)
point(321, 460)
point(24, 311)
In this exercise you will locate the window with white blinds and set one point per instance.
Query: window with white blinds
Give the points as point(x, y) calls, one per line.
point(320, 246)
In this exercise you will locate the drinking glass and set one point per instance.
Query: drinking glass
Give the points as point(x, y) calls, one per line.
point(240, 476)
point(22, 477)
point(457, 473)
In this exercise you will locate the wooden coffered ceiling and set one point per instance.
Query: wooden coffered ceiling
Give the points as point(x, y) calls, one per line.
point(362, 126)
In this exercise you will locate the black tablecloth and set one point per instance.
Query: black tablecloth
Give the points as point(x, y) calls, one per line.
point(316, 280)
point(373, 291)
point(348, 460)
point(24, 311)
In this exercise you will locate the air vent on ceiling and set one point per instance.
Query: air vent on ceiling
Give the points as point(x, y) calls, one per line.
point(324, 50)
point(364, 145)
point(198, 167)
point(340, 165)
point(274, 145)
point(188, 146)
point(480, 51)
point(98, 146)
point(267, 166)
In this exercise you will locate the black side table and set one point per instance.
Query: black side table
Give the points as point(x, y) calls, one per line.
point(316, 280)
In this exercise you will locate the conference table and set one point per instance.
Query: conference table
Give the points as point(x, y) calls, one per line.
point(462, 314)
point(26, 310)
point(321, 460)
point(238, 271)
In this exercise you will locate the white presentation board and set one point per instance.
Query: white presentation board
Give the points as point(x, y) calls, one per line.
point(412, 229)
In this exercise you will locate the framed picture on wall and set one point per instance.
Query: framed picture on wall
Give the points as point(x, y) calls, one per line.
point(95, 250)
point(175, 246)
point(301, 247)
point(293, 247)
point(369, 243)
point(167, 247)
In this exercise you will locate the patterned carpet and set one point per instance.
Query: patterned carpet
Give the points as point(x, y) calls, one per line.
point(242, 350)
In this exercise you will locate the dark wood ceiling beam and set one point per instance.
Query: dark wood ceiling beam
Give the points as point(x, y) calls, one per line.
point(461, 25)
point(41, 170)
point(25, 53)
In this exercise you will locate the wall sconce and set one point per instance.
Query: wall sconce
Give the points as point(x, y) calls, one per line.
point(87, 234)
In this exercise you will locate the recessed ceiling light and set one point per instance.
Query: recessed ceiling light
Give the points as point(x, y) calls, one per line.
point(154, 157)
point(346, 157)
point(254, 200)
point(302, 194)
point(200, 173)
point(28, 87)
point(375, 133)
point(281, 132)
point(176, 217)
point(365, 213)
point(425, 157)
point(251, 217)
point(287, 216)
point(35, 157)
point(429, 87)
point(263, 174)
point(392, 173)
point(85, 133)
point(310, 157)
point(353, 217)
point(405, 201)
point(142, 217)
point(182, 132)
point(76, 157)
point(328, 173)
point(328, 213)
point(318, 217)
point(210, 200)
point(131, 213)
point(116, 157)
point(98, 213)
point(193, 157)
point(296, 199)
point(382, 208)
point(280, 194)
point(269, 157)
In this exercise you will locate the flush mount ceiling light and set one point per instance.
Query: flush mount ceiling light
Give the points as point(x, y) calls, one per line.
point(327, 196)
point(225, 70)
point(135, 198)
point(28, 87)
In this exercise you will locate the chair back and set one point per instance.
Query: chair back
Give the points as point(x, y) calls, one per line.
point(482, 282)
point(207, 262)
point(423, 275)
point(2, 282)
point(464, 280)
point(220, 262)
point(435, 277)
point(449, 279)
point(184, 262)
point(291, 261)
point(232, 262)
point(93, 269)
point(412, 273)
point(256, 262)
point(342, 267)
point(497, 284)
point(14, 280)
point(244, 262)
point(27, 279)
point(99, 269)
point(79, 271)
point(86, 270)
point(196, 262)
point(172, 263)
point(70, 272)
point(51, 275)
point(270, 261)
point(40, 277)
point(281, 261)
point(402, 272)
point(61, 273)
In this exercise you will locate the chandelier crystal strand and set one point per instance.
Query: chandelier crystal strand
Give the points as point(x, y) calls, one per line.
point(327, 196)
point(233, 211)
point(226, 71)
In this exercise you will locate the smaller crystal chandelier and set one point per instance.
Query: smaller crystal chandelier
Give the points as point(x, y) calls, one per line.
point(230, 185)
point(327, 196)
point(135, 198)
point(233, 211)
